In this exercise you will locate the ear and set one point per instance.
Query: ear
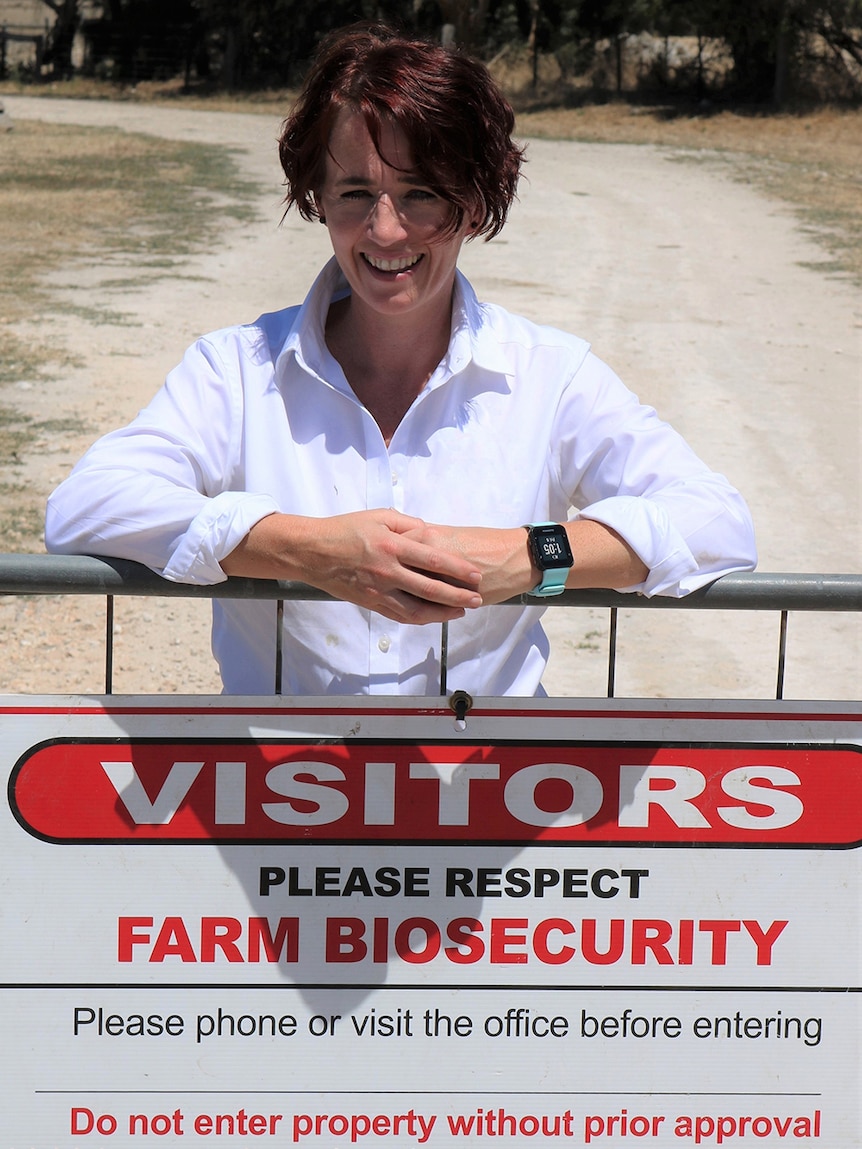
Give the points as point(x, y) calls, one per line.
point(318, 207)
point(475, 213)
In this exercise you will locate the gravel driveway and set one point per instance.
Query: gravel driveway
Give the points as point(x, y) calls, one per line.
point(701, 293)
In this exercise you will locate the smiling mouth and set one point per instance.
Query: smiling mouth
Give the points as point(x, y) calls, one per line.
point(392, 264)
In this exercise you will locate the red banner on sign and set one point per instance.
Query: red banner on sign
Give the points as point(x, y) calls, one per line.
point(234, 791)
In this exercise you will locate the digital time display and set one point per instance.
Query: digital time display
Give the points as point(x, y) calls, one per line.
point(551, 547)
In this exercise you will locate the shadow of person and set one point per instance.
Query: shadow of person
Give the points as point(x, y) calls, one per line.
point(342, 844)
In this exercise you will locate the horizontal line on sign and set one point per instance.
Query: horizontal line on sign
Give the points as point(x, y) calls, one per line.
point(413, 1093)
point(783, 716)
point(509, 987)
point(515, 844)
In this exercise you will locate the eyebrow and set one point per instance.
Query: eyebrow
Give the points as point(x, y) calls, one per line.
point(362, 181)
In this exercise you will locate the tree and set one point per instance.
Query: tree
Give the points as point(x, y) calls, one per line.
point(143, 39)
point(58, 51)
point(270, 41)
point(469, 19)
point(767, 38)
point(839, 24)
point(614, 20)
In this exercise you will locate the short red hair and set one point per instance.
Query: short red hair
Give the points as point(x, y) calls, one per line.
point(458, 123)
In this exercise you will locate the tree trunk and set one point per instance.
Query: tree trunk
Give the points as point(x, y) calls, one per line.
point(469, 18)
point(62, 36)
point(533, 39)
point(620, 37)
point(782, 57)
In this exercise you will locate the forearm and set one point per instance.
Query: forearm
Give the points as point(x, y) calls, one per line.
point(602, 558)
point(272, 549)
point(371, 558)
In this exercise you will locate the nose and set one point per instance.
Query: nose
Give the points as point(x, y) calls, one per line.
point(385, 224)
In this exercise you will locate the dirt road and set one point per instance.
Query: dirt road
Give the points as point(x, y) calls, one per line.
point(701, 293)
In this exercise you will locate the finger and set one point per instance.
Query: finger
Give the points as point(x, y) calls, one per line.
point(439, 562)
point(406, 608)
point(437, 590)
point(400, 523)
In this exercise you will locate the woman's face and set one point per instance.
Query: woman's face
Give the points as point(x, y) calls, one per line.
point(385, 222)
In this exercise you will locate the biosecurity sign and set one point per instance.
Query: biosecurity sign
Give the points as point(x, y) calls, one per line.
point(69, 790)
point(356, 924)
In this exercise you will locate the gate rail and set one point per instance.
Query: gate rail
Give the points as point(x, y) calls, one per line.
point(24, 574)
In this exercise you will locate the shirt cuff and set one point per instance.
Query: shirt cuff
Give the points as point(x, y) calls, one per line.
point(648, 530)
point(213, 534)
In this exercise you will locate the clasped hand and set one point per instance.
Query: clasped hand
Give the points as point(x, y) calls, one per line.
point(396, 565)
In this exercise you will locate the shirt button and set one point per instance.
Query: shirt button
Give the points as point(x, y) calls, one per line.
point(384, 643)
point(394, 479)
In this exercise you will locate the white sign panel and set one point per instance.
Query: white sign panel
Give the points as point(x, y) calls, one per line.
point(324, 924)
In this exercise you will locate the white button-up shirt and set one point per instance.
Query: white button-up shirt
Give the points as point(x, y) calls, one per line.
point(518, 424)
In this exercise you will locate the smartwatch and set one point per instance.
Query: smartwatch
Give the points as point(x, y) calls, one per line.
point(550, 550)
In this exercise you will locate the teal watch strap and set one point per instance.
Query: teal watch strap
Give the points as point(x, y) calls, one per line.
point(553, 582)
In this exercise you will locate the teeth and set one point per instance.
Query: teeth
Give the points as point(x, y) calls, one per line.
point(393, 264)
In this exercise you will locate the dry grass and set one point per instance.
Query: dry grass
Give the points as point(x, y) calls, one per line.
point(67, 193)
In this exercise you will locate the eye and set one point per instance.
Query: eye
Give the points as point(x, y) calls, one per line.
point(355, 193)
point(421, 195)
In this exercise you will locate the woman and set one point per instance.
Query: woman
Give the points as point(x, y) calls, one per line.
point(393, 441)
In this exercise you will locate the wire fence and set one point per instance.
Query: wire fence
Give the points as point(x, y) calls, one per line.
point(781, 594)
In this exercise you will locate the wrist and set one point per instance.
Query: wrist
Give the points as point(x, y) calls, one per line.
point(533, 576)
point(271, 549)
point(551, 557)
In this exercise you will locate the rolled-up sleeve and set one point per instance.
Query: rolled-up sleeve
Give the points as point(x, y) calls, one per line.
point(622, 466)
point(158, 491)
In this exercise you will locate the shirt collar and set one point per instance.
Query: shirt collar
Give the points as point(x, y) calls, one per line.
point(306, 340)
point(472, 339)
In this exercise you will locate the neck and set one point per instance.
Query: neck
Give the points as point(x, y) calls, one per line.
point(387, 360)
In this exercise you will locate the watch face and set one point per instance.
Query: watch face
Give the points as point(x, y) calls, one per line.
point(551, 547)
point(551, 550)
